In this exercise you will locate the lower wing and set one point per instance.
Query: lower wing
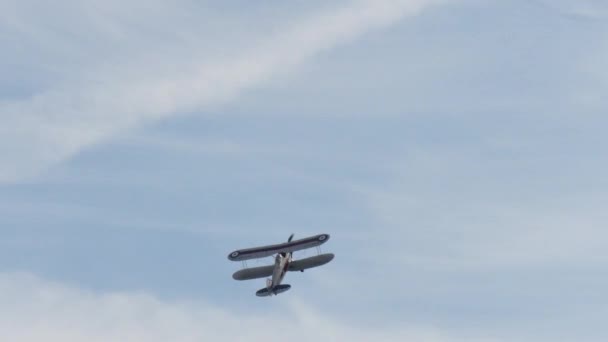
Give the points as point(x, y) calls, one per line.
point(306, 263)
point(253, 273)
point(296, 265)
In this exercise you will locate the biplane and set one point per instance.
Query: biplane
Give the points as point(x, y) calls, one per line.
point(283, 262)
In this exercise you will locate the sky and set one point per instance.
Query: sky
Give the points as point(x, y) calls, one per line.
point(453, 149)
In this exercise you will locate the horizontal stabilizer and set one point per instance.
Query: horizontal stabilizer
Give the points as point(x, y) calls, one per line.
point(265, 292)
point(306, 263)
point(291, 246)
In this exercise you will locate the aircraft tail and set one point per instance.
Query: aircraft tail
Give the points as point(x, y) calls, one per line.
point(265, 292)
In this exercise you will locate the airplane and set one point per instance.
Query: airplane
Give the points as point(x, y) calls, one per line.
point(283, 262)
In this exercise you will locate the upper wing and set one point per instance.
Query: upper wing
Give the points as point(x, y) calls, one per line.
point(262, 252)
point(253, 273)
point(318, 260)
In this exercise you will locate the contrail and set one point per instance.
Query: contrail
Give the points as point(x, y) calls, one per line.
point(55, 125)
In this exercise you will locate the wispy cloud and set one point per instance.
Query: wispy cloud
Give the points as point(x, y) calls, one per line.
point(135, 89)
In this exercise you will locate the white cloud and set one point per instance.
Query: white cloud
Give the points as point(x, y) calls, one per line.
point(135, 87)
point(36, 310)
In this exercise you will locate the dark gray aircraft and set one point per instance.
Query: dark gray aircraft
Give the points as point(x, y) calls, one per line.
point(283, 262)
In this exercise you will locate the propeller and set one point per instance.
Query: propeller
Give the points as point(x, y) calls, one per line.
point(288, 240)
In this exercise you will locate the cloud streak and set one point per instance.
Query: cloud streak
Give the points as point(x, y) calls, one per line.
point(55, 124)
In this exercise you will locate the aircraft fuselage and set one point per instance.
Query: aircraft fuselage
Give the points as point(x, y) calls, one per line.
point(281, 265)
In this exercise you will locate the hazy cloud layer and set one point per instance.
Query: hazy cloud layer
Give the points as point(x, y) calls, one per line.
point(37, 310)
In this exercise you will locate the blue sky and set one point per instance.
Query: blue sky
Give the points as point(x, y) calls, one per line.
point(454, 150)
